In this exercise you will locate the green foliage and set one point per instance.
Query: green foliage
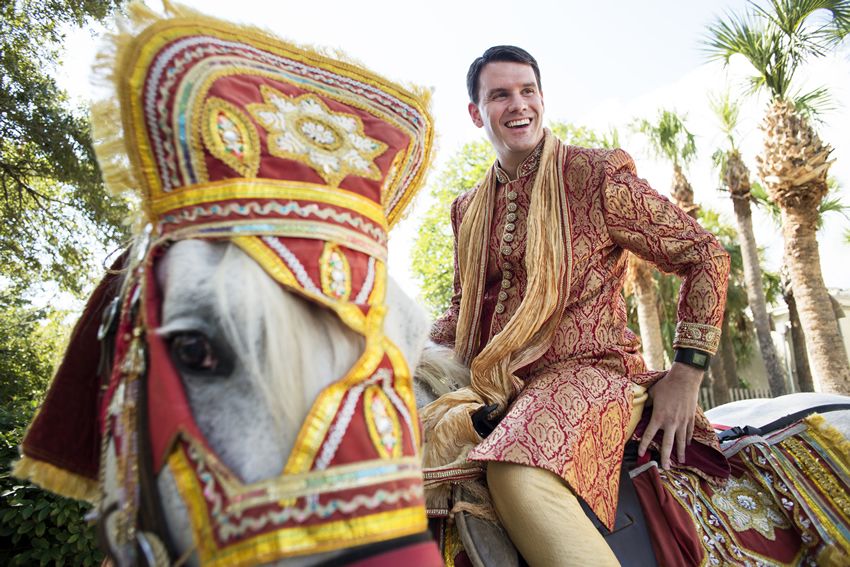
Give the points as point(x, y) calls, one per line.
point(30, 342)
point(53, 205)
point(37, 527)
point(832, 203)
point(669, 139)
point(432, 254)
point(585, 136)
point(778, 39)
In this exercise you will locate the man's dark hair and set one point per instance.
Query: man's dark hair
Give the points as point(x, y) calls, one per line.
point(498, 53)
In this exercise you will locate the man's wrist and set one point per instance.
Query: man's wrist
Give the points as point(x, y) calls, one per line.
point(693, 357)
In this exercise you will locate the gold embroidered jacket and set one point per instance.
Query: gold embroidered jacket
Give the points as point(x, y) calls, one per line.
point(572, 414)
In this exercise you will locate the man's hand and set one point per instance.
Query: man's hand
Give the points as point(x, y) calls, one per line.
point(674, 400)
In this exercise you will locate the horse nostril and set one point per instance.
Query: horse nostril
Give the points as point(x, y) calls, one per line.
point(194, 351)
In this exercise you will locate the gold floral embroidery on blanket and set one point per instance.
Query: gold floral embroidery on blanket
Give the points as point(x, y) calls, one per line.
point(230, 136)
point(748, 508)
point(306, 130)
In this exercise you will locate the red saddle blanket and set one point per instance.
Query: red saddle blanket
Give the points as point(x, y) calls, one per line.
point(787, 502)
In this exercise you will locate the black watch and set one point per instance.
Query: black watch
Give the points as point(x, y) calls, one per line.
point(694, 357)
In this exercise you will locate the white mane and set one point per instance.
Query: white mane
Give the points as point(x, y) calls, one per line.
point(259, 317)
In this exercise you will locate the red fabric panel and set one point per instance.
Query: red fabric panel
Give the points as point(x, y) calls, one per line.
point(65, 432)
point(423, 554)
point(706, 459)
point(674, 538)
point(168, 407)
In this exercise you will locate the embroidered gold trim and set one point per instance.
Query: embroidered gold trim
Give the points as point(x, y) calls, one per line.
point(230, 136)
point(269, 189)
point(404, 385)
point(164, 31)
point(304, 129)
point(695, 335)
point(382, 423)
point(318, 421)
point(286, 542)
point(335, 272)
point(822, 479)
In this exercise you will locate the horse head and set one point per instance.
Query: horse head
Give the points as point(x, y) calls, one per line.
point(260, 377)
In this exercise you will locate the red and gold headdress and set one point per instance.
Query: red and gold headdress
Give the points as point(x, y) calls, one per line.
point(305, 162)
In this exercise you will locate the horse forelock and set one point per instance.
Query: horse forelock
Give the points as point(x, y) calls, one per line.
point(286, 350)
point(293, 348)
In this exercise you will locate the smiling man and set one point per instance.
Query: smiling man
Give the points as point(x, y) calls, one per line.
point(541, 250)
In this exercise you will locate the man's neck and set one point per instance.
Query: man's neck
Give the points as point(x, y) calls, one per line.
point(510, 164)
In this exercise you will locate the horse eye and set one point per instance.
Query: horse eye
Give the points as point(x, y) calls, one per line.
point(194, 351)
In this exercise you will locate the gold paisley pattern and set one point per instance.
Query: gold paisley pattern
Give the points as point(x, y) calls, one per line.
point(229, 135)
point(571, 417)
point(335, 273)
point(382, 422)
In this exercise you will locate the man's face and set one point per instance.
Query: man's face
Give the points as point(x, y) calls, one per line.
point(510, 109)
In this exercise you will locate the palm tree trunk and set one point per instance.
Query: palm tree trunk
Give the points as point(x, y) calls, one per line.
point(829, 357)
point(639, 279)
point(727, 353)
point(719, 384)
point(798, 343)
point(755, 294)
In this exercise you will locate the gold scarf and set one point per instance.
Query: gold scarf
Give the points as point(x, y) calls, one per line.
point(532, 326)
point(447, 429)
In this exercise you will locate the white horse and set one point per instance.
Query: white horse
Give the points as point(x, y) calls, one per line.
point(243, 343)
point(244, 347)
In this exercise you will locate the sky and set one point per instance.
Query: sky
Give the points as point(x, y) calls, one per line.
point(602, 64)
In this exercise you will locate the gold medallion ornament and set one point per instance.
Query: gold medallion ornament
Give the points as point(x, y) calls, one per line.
point(748, 508)
point(304, 129)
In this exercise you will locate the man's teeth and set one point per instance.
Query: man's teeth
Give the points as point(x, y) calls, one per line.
point(516, 123)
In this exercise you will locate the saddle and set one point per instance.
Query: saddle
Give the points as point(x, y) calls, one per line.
point(487, 545)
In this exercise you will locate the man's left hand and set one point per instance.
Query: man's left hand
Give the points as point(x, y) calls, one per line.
point(674, 401)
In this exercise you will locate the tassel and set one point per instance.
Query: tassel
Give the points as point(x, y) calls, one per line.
point(134, 362)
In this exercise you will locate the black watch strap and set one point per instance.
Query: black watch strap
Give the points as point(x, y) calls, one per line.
point(694, 357)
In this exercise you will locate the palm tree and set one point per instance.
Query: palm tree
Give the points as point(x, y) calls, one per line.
point(639, 282)
point(736, 178)
point(778, 40)
point(670, 140)
point(798, 337)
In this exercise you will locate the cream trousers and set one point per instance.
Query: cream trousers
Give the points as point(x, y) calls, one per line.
point(544, 517)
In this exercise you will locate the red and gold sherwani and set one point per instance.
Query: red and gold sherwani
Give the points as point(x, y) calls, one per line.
point(572, 415)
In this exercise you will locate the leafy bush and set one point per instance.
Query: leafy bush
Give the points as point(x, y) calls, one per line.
point(38, 527)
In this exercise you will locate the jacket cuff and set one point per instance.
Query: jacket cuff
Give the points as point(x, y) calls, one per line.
point(694, 335)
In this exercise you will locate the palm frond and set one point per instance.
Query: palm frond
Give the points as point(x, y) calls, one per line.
point(813, 104)
point(832, 205)
point(719, 160)
point(760, 195)
point(668, 136)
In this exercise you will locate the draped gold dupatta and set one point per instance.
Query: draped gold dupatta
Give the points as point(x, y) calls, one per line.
point(447, 428)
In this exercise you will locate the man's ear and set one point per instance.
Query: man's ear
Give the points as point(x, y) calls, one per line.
point(475, 115)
